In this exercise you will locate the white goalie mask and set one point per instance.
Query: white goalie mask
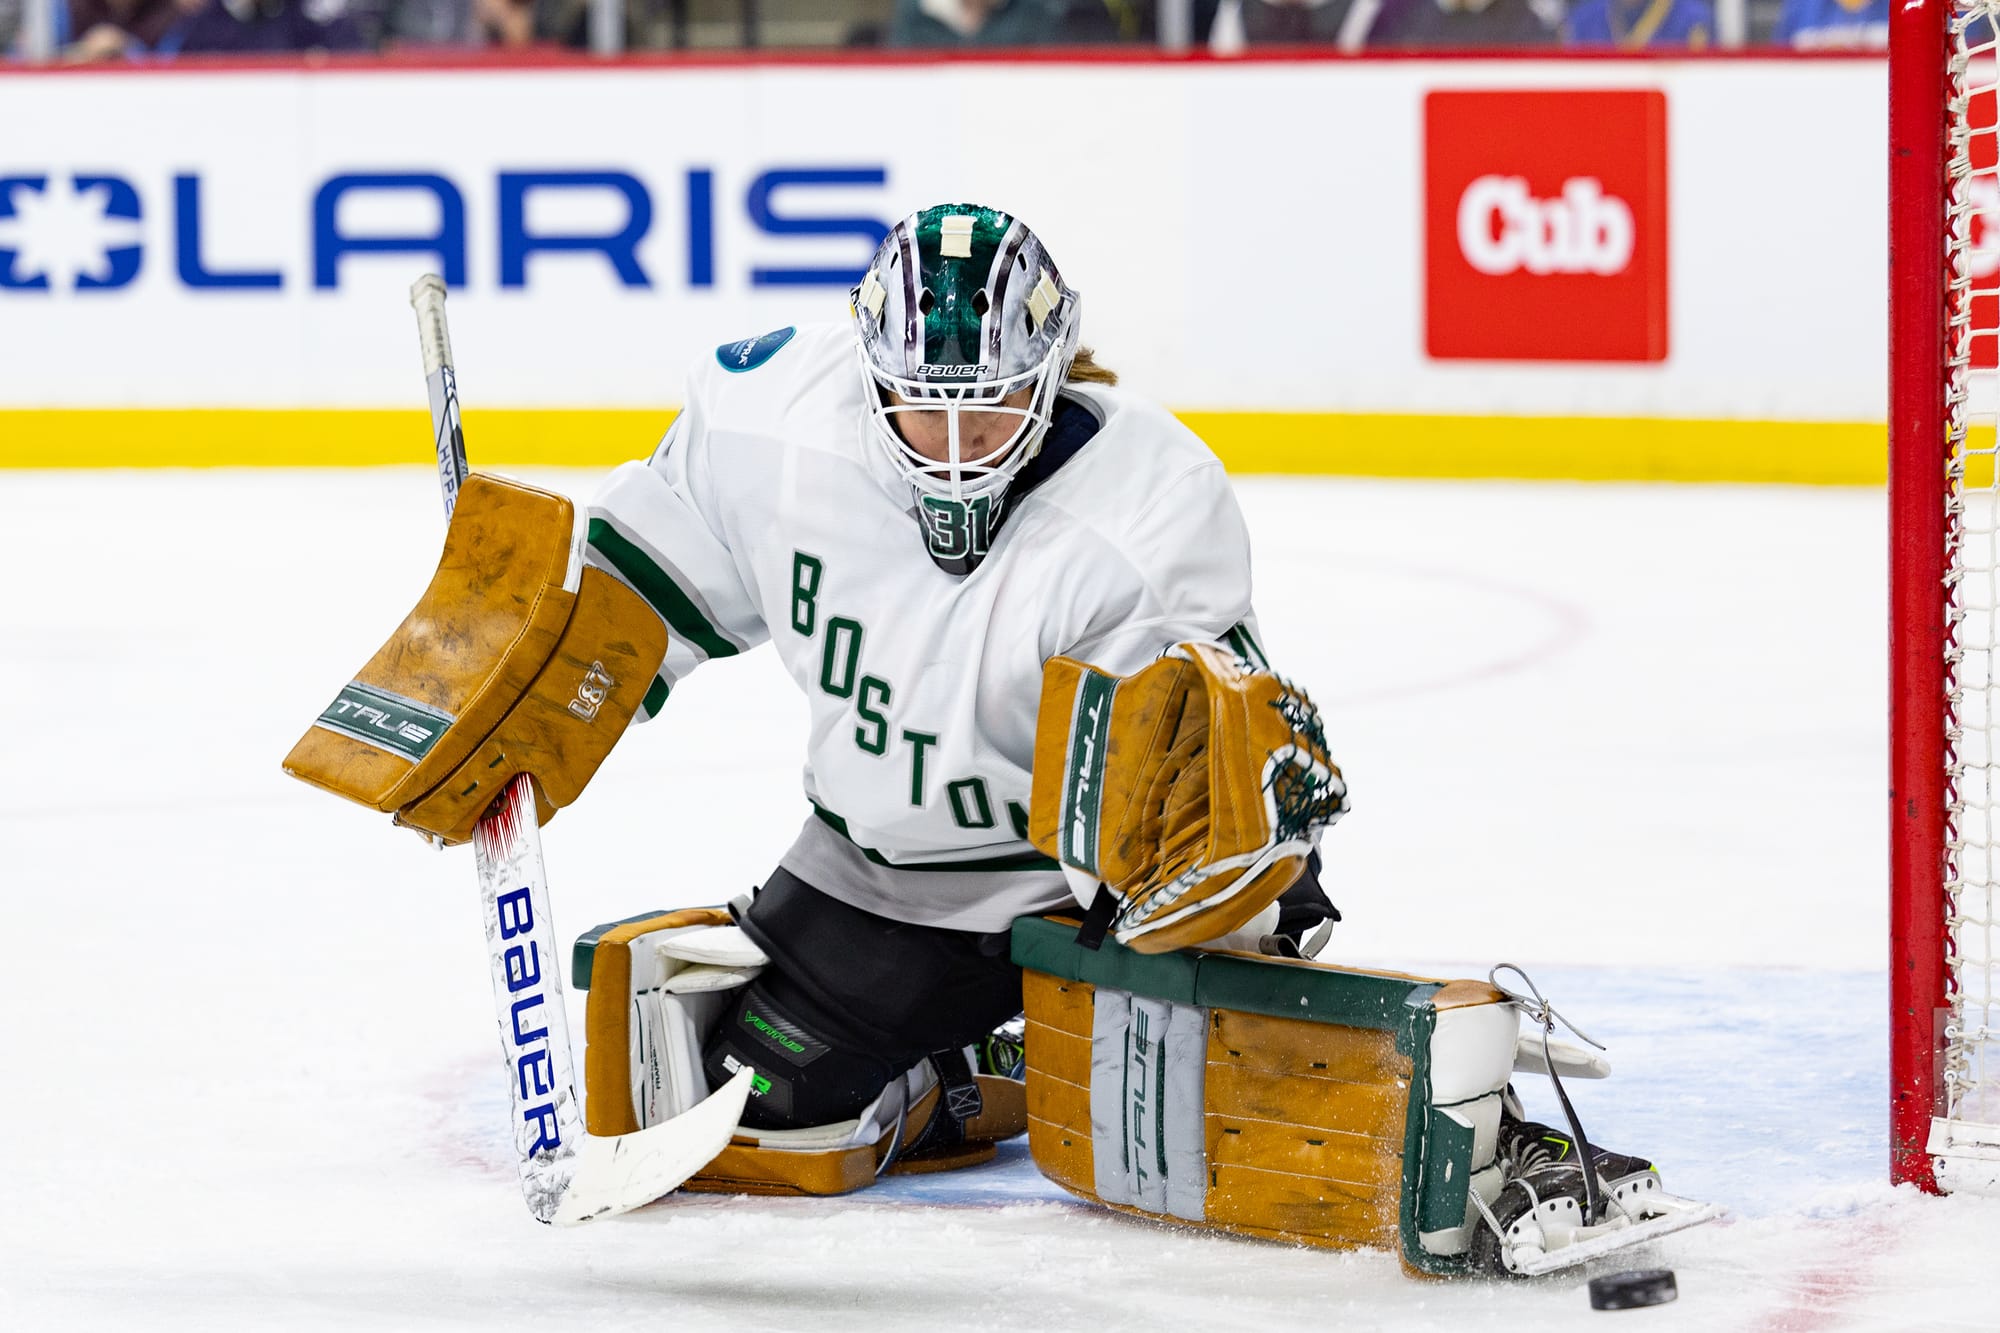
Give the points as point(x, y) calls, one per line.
point(962, 312)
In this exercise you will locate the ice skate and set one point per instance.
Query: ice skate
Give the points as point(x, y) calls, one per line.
point(1548, 1215)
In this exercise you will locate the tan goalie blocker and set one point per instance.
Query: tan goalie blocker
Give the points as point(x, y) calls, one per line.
point(1194, 788)
point(505, 666)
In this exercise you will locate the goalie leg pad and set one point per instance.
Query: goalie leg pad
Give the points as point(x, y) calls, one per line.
point(642, 1057)
point(666, 985)
point(507, 665)
point(1268, 1097)
point(1317, 1104)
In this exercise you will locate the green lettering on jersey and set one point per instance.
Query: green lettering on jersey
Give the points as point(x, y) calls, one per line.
point(919, 742)
point(806, 574)
point(970, 808)
point(840, 657)
point(878, 742)
point(960, 531)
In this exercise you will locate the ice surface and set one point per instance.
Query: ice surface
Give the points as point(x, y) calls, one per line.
point(1628, 737)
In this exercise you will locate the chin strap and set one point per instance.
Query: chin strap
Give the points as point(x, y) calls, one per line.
point(1541, 1012)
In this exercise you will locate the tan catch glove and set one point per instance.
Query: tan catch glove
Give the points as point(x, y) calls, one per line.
point(501, 669)
point(1195, 788)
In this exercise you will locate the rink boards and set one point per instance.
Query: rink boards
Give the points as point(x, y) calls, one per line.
point(1318, 262)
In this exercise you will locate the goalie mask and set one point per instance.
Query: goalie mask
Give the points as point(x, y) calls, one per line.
point(966, 335)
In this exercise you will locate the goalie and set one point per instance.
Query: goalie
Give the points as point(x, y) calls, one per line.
point(1017, 600)
point(919, 511)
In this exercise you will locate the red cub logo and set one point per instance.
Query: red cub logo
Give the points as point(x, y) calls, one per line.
point(1545, 233)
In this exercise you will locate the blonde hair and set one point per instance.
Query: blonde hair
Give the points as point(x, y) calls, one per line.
point(1085, 370)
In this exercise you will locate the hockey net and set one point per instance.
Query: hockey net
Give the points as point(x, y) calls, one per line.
point(1945, 506)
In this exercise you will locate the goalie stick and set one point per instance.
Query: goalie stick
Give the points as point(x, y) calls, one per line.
point(567, 1175)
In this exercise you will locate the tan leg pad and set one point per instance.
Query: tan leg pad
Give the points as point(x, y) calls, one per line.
point(1279, 1098)
point(745, 1167)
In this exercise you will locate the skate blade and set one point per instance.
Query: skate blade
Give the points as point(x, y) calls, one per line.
point(1671, 1213)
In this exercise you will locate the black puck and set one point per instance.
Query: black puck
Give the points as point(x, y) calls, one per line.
point(1630, 1290)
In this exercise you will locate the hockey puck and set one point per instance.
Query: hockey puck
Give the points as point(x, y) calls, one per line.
point(1630, 1290)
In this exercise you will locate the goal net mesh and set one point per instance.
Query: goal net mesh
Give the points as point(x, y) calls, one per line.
point(1970, 1056)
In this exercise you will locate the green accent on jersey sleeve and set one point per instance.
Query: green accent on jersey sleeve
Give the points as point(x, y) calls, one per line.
point(658, 588)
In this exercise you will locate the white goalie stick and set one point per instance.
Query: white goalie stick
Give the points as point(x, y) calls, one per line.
point(567, 1174)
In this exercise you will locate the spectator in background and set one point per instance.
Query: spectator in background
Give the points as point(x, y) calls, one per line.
point(939, 23)
point(1820, 25)
point(10, 24)
point(1093, 21)
point(392, 23)
point(1461, 24)
point(118, 29)
point(1241, 23)
point(1637, 25)
point(254, 26)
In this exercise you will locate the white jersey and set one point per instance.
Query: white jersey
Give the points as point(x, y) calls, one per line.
point(769, 513)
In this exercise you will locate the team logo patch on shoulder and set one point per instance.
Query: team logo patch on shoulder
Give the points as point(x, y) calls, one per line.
point(752, 352)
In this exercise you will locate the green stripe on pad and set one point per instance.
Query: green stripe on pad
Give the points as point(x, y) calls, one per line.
point(1083, 779)
point(656, 696)
point(584, 952)
point(659, 589)
point(1218, 981)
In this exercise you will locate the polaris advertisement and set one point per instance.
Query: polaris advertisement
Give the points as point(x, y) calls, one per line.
point(1706, 251)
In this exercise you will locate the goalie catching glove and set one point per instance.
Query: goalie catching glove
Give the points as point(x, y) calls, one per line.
point(511, 663)
point(1194, 788)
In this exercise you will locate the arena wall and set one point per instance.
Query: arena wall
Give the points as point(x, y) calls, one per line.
point(1590, 268)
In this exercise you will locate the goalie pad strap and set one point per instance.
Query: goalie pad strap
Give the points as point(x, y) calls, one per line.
point(500, 669)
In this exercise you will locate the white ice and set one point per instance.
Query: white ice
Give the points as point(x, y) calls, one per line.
point(1628, 737)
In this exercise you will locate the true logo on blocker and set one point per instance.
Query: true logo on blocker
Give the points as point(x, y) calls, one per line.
point(1545, 231)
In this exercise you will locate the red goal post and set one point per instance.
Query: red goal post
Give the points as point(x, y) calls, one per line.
point(1944, 286)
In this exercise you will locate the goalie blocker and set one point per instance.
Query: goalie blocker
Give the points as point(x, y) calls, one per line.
point(515, 660)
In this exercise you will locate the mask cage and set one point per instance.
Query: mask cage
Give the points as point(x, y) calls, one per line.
point(956, 476)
